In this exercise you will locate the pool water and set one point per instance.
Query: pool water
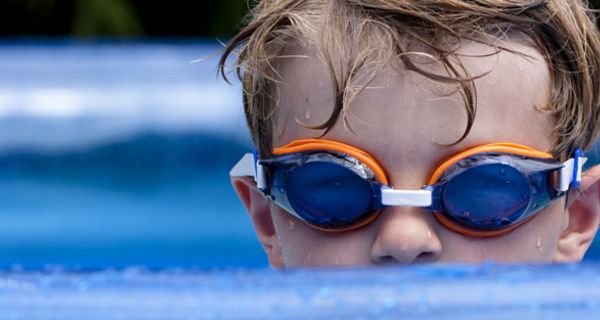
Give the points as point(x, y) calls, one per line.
point(118, 154)
point(154, 200)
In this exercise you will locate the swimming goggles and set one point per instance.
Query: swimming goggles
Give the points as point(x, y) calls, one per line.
point(484, 191)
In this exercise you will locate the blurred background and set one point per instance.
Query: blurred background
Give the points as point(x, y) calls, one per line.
point(116, 136)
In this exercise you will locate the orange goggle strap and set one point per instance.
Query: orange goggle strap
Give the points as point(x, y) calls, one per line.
point(511, 148)
point(330, 145)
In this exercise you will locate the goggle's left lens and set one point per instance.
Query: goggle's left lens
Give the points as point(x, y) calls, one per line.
point(328, 195)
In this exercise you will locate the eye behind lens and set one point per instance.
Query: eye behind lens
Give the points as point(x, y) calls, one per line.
point(328, 195)
point(486, 197)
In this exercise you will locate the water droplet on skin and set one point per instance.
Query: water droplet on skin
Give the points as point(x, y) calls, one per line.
point(307, 114)
point(538, 244)
point(292, 225)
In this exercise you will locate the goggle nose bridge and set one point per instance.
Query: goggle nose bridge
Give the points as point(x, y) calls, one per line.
point(409, 198)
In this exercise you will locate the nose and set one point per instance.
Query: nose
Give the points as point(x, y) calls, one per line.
point(405, 235)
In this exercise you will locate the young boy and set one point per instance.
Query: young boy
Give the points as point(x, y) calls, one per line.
point(419, 131)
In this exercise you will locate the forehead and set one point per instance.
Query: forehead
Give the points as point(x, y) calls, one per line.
point(404, 116)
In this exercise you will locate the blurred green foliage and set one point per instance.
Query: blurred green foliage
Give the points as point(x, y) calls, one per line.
point(106, 17)
point(121, 18)
point(126, 18)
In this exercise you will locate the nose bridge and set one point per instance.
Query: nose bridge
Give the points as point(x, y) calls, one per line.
point(405, 235)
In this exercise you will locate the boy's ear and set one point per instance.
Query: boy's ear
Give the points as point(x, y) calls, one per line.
point(260, 213)
point(583, 214)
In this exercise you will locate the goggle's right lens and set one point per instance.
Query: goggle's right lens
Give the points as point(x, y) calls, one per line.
point(328, 195)
point(487, 197)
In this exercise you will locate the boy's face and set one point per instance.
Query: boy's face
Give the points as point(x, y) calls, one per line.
point(406, 122)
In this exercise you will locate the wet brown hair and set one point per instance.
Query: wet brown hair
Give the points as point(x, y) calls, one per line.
point(358, 35)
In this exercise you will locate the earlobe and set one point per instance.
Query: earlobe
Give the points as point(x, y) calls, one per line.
point(258, 207)
point(583, 218)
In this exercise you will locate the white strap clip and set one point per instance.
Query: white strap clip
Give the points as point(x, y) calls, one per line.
point(570, 174)
point(248, 166)
point(412, 198)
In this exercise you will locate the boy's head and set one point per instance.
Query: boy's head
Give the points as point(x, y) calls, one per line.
point(413, 83)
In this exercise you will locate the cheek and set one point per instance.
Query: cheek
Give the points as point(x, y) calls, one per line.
point(303, 246)
point(534, 241)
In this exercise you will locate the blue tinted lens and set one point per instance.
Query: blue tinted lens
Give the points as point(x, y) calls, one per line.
point(490, 196)
point(327, 194)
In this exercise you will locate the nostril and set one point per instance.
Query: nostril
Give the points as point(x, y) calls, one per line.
point(423, 257)
point(387, 259)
